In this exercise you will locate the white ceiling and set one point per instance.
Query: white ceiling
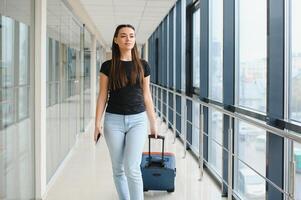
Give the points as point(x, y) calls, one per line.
point(144, 15)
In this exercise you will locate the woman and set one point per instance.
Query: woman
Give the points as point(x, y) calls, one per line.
point(127, 80)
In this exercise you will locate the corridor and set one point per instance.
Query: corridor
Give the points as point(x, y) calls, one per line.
point(87, 174)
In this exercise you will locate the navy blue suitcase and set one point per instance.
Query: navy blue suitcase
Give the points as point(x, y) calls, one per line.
point(158, 169)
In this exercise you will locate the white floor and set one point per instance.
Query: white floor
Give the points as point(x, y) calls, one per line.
point(87, 174)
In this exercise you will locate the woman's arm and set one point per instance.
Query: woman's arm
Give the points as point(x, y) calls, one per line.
point(149, 106)
point(101, 102)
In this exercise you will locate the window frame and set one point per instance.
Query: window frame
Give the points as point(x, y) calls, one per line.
point(191, 10)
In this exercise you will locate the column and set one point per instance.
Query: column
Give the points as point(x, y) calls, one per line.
point(40, 96)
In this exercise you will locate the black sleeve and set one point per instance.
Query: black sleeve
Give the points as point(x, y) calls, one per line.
point(146, 67)
point(105, 68)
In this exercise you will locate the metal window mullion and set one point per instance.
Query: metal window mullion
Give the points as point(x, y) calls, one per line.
point(157, 100)
point(291, 172)
point(183, 42)
point(174, 47)
point(167, 67)
point(174, 118)
point(289, 162)
point(275, 94)
point(230, 159)
point(185, 127)
point(201, 141)
point(161, 105)
point(167, 110)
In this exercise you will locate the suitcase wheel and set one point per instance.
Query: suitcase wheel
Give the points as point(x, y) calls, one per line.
point(171, 190)
point(145, 190)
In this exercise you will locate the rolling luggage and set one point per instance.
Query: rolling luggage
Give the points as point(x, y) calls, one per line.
point(158, 169)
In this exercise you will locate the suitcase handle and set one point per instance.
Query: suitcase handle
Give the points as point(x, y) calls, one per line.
point(149, 146)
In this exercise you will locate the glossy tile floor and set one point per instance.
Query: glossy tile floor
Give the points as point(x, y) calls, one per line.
point(87, 174)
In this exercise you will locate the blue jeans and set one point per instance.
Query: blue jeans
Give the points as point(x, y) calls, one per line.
point(125, 136)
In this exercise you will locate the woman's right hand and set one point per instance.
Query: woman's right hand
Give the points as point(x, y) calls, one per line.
point(97, 131)
point(154, 129)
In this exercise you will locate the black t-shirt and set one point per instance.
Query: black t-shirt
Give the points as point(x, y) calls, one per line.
point(129, 99)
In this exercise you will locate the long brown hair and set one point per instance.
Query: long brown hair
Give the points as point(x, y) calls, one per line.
point(118, 78)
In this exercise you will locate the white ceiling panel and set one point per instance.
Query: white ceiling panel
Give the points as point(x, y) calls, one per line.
point(128, 10)
point(129, 3)
point(144, 15)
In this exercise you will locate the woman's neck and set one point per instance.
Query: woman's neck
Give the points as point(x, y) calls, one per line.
point(126, 56)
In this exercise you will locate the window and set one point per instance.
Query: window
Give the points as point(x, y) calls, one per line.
point(195, 128)
point(297, 157)
point(251, 149)
point(7, 69)
point(251, 54)
point(196, 48)
point(23, 54)
point(295, 82)
point(295, 67)
point(215, 141)
point(67, 75)
point(23, 90)
point(8, 104)
point(157, 60)
point(17, 177)
point(216, 50)
point(251, 65)
point(249, 184)
point(86, 79)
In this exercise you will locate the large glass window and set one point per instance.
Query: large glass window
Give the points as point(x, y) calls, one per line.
point(297, 157)
point(295, 67)
point(251, 54)
point(215, 83)
point(63, 88)
point(8, 106)
point(23, 90)
point(23, 54)
point(251, 65)
point(196, 48)
point(295, 83)
point(100, 58)
point(8, 36)
point(196, 126)
point(17, 178)
point(215, 140)
point(87, 78)
point(216, 50)
point(249, 184)
point(251, 150)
